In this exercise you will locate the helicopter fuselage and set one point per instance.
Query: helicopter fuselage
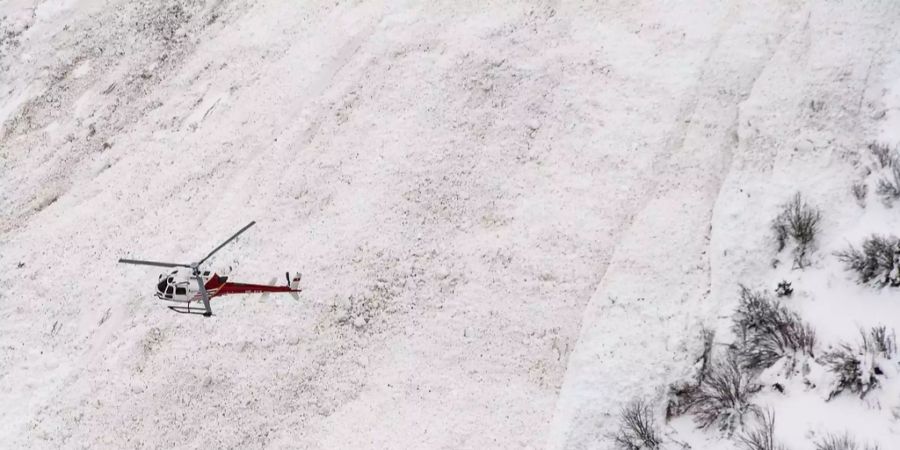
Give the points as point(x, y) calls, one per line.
point(178, 286)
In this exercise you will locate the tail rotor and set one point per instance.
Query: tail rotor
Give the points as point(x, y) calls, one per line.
point(294, 284)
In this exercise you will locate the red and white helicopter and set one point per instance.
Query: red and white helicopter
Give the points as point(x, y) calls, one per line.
point(176, 286)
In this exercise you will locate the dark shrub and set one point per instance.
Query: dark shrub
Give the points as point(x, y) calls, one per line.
point(881, 342)
point(799, 221)
point(637, 428)
point(723, 398)
point(681, 398)
point(860, 369)
point(682, 394)
point(841, 442)
point(762, 437)
point(768, 331)
point(882, 153)
point(876, 263)
point(889, 186)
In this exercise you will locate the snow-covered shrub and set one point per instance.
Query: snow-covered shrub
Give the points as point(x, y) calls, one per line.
point(878, 262)
point(768, 331)
point(683, 393)
point(841, 442)
point(849, 370)
point(800, 221)
point(762, 437)
point(882, 153)
point(860, 190)
point(881, 341)
point(681, 397)
point(860, 369)
point(637, 428)
point(888, 162)
point(889, 185)
point(723, 398)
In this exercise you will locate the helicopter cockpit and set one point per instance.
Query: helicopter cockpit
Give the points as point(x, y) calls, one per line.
point(174, 286)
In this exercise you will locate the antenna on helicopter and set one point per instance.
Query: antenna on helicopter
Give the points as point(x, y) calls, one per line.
point(195, 267)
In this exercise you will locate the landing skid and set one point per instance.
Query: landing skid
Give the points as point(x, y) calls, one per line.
point(188, 310)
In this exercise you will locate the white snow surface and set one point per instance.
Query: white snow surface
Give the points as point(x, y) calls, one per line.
point(810, 80)
point(511, 217)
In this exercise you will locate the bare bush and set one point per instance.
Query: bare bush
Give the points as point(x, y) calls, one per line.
point(889, 186)
point(859, 369)
point(768, 331)
point(637, 428)
point(841, 442)
point(882, 153)
point(681, 398)
point(723, 398)
point(878, 262)
point(860, 190)
point(753, 311)
point(683, 394)
point(846, 365)
point(881, 342)
point(800, 221)
point(762, 437)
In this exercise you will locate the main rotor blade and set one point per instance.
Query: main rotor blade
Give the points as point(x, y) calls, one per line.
point(152, 263)
point(226, 242)
point(203, 295)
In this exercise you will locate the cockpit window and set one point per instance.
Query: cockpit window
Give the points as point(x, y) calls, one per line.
point(169, 292)
point(161, 286)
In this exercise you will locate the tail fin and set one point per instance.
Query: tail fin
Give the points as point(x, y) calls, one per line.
point(294, 284)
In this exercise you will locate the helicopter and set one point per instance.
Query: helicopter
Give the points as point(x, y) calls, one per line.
point(178, 285)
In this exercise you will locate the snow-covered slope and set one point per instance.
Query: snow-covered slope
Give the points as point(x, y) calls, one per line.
point(470, 190)
point(808, 97)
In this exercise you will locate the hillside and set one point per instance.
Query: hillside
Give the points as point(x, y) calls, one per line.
point(511, 218)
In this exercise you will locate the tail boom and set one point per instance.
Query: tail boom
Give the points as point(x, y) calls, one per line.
point(293, 288)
